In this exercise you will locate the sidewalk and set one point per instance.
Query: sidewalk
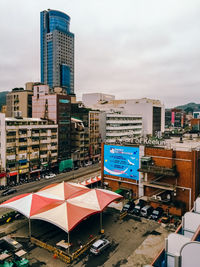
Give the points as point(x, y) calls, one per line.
point(149, 249)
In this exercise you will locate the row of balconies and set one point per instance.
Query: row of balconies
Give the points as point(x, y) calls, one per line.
point(17, 151)
point(32, 153)
point(158, 170)
point(120, 134)
point(30, 142)
point(29, 134)
point(118, 128)
point(122, 121)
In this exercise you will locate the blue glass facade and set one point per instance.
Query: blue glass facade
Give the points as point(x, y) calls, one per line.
point(65, 77)
point(42, 33)
point(58, 21)
point(57, 50)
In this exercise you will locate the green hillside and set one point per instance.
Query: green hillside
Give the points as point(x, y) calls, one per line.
point(189, 107)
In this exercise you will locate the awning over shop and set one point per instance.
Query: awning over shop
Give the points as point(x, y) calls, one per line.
point(45, 165)
point(91, 181)
point(23, 161)
point(33, 171)
point(3, 174)
point(13, 173)
point(146, 159)
point(119, 191)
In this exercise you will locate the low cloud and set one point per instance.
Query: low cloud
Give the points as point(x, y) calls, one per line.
point(132, 49)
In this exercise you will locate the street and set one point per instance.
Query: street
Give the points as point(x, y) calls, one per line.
point(73, 176)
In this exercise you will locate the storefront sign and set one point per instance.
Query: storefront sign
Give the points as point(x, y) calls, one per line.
point(149, 141)
point(13, 173)
point(142, 141)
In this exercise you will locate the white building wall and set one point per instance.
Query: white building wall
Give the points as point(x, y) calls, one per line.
point(41, 89)
point(2, 140)
point(38, 106)
point(115, 126)
point(93, 98)
point(146, 112)
point(142, 107)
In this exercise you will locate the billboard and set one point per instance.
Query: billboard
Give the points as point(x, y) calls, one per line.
point(121, 161)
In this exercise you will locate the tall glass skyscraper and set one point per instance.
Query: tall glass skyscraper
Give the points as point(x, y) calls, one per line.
point(57, 50)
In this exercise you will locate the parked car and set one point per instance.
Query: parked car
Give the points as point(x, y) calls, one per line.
point(76, 168)
point(128, 206)
point(157, 213)
point(146, 211)
point(138, 207)
point(9, 192)
point(89, 163)
point(67, 170)
point(50, 175)
point(98, 246)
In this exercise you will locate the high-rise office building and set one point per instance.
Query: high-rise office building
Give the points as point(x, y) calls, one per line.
point(57, 50)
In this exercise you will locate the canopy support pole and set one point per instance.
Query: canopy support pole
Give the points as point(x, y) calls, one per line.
point(29, 227)
point(68, 243)
point(101, 230)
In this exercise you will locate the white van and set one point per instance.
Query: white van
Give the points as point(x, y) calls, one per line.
point(146, 211)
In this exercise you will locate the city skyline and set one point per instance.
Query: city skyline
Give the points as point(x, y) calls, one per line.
point(146, 48)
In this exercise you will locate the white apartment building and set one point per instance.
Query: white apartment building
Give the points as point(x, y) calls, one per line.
point(119, 127)
point(152, 111)
point(27, 146)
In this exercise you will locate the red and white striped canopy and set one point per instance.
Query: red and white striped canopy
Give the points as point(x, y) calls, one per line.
point(64, 204)
point(91, 181)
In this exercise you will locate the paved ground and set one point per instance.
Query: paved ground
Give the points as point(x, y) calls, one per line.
point(133, 242)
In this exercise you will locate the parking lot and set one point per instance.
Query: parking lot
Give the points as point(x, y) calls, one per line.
point(126, 236)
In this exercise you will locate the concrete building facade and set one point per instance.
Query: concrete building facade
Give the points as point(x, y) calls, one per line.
point(94, 98)
point(55, 107)
point(27, 147)
point(79, 142)
point(91, 121)
point(94, 135)
point(19, 103)
point(168, 174)
point(116, 127)
point(152, 111)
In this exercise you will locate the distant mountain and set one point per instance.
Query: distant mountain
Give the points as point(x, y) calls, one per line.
point(3, 98)
point(190, 107)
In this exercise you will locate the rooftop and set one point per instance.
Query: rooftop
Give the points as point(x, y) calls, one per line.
point(186, 144)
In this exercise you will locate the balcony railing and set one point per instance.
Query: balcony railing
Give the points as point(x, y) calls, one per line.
point(159, 185)
point(158, 170)
point(11, 144)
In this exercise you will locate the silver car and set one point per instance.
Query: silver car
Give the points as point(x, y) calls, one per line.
point(98, 246)
point(49, 176)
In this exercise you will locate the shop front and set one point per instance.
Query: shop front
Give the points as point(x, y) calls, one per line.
point(35, 174)
point(3, 179)
point(12, 177)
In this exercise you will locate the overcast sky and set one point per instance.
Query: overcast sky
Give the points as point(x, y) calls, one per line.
point(129, 48)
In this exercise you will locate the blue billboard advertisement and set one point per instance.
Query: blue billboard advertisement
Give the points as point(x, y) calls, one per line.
point(121, 161)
